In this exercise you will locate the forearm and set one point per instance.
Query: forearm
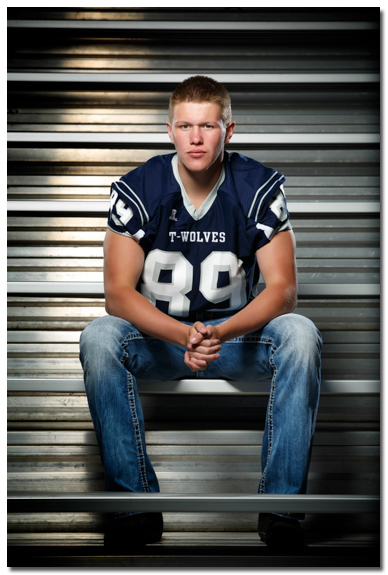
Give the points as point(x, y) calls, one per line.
point(276, 261)
point(270, 303)
point(132, 306)
point(123, 265)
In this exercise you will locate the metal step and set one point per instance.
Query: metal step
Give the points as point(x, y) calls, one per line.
point(157, 502)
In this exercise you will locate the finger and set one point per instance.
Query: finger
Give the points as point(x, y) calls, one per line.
point(189, 363)
point(204, 347)
point(210, 342)
point(199, 332)
point(205, 342)
point(193, 364)
point(207, 359)
point(198, 360)
point(195, 336)
point(200, 327)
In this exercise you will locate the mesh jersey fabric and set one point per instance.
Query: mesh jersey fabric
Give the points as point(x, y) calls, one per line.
point(199, 261)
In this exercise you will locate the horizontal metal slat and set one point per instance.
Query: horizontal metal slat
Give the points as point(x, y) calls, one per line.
point(172, 78)
point(95, 253)
point(193, 25)
point(157, 138)
point(156, 502)
point(94, 483)
point(340, 365)
point(185, 484)
point(191, 386)
point(345, 161)
point(102, 206)
point(85, 119)
point(62, 349)
point(58, 337)
point(348, 227)
point(165, 443)
point(131, 130)
point(323, 461)
point(297, 181)
point(193, 537)
point(191, 437)
point(73, 252)
point(182, 456)
point(71, 313)
point(97, 288)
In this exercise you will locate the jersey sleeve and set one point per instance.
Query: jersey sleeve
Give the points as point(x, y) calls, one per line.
point(128, 214)
point(261, 193)
point(271, 215)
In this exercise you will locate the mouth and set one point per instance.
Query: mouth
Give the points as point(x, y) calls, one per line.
point(196, 153)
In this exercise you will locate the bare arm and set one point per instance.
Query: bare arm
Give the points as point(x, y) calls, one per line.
point(123, 265)
point(277, 265)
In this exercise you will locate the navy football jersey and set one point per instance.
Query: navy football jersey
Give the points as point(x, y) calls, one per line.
point(199, 261)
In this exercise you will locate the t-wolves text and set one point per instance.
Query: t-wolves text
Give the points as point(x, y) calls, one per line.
point(198, 236)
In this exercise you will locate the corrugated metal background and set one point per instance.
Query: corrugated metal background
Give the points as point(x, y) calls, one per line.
point(87, 101)
point(88, 94)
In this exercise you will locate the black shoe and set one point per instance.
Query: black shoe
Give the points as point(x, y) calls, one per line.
point(281, 534)
point(133, 531)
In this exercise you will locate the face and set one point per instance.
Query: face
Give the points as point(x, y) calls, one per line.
point(199, 136)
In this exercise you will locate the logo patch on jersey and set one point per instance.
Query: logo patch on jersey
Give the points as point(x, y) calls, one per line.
point(173, 216)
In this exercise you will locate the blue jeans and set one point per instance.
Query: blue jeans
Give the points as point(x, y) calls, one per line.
point(115, 355)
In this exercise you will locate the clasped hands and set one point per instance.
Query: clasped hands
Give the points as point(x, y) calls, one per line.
point(203, 345)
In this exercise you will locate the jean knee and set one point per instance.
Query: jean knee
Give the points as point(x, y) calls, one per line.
point(90, 336)
point(305, 330)
point(300, 334)
point(101, 337)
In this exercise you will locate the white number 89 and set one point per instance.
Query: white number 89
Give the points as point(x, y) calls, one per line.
point(174, 292)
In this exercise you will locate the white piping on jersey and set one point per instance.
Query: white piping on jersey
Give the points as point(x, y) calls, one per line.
point(269, 232)
point(266, 194)
point(136, 236)
point(127, 234)
point(258, 192)
point(133, 201)
point(207, 204)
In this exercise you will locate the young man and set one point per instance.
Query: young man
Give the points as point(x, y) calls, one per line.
point(188, 235)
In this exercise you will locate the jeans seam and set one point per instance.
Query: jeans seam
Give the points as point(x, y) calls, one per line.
point(270, 422)
point(136, 427)
point(129, 337)
point(250, 339)
point(133, 412)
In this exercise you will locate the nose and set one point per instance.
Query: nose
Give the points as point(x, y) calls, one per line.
point(196, 135)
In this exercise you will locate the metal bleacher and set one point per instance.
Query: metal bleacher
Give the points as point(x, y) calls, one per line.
point(88, 93)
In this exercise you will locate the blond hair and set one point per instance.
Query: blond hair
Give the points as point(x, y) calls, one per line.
point(202, 89)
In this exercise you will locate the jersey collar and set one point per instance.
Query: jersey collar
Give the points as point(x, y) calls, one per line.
point(207, 204)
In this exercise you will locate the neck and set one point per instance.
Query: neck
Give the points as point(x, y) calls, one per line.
point(198, 185)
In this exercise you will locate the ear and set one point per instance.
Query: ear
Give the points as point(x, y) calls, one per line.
point(169, 130)
point(229, 131)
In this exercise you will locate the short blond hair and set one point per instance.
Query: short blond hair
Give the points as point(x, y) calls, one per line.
point(202, 89)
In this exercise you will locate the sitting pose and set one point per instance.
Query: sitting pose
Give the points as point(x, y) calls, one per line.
point(189, 234)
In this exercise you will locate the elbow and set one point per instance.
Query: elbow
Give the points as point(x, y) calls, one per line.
point(108, 306)
point(292, 306)
point(288, 297)
point(291, 298)
point(110, 302)
point(118, 300)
